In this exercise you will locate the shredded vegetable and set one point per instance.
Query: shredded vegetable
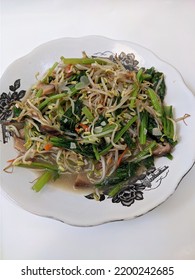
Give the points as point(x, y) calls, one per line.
point(93, 116)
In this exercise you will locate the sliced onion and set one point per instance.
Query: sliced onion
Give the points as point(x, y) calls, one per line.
point(156, 131)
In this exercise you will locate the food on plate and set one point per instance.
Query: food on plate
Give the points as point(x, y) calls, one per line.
point(93, 117)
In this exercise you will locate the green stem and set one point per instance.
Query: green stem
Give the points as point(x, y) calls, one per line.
point(139, 75)
point(82, 60)
point(119, 135)
point(96, 153)
point(109, 127)
point(39, 93)
point(49, 72)
point(133, 96)
point(143, 128)
point(156, 103)
point(87, 113)
point(51, 98)
point(167, 123)
point(38, 165)
point(115, 190)
point(42, 180)
point(146, 151)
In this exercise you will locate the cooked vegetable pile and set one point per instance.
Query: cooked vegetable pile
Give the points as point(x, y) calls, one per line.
point(95, 118)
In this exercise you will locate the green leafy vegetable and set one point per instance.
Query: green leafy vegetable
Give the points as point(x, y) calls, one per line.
point(119, 135)
point(71, 118)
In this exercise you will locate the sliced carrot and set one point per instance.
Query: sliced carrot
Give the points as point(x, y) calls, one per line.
point(121, 156)
point(77, 129)
point(68, 70)
point(11, 160)
point(81, 126)
point(48, 146)
point(84, 126)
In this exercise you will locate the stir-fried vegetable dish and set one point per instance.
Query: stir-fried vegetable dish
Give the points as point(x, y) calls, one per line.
point(92, 117)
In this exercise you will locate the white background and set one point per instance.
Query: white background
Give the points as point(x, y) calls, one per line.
point(165, 26)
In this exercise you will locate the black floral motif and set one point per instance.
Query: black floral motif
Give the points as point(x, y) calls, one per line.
point(128, 195)
point(7, 100)
point(133, 189)
point(149, 180)
point(93, 196)
point(128, 60)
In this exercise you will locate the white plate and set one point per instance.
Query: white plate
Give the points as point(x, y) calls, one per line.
point(73, 208)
